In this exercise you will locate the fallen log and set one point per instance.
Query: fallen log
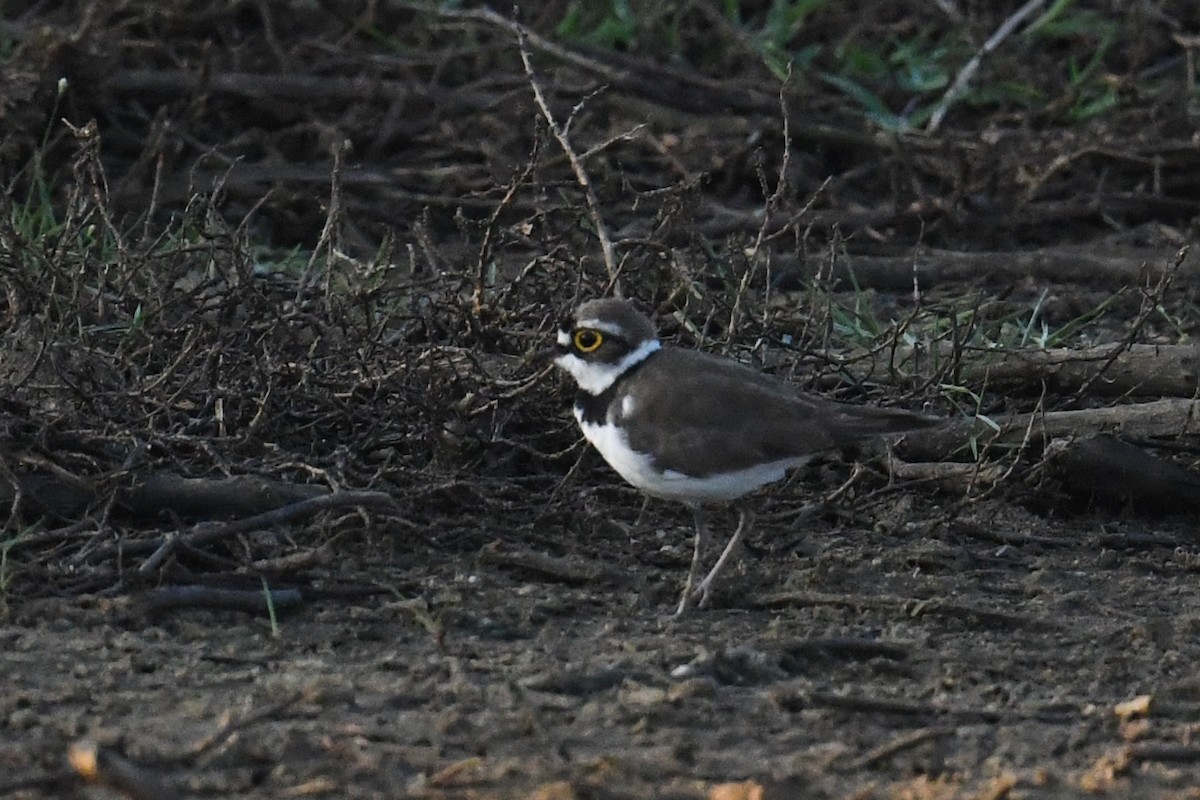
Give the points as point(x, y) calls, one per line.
point(1113, 268)
point(1114, 370)
point(1171, 417)
point(1113, 472)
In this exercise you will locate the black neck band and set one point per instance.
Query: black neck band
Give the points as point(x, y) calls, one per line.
point(594, 407)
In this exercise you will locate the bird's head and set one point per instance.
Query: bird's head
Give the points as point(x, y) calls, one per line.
point(601, 340)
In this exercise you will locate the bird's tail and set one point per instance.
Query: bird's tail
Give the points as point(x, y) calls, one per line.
point(862, 422)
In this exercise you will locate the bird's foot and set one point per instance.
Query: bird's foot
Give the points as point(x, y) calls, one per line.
point(685, 602)
point(698, 596)
point(702, 594)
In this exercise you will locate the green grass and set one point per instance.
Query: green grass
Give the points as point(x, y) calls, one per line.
point(269, 599)
point(773, 37)
point(1065, 24)
point(610, 25)
point(898, 82)
point(34, 218)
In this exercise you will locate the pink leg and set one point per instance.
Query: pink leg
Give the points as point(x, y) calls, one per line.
point(745, 523)
point(694, 571)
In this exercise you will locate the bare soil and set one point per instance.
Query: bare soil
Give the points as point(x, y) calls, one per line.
point(491, 617)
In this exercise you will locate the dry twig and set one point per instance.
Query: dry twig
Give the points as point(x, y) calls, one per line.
point(971, 67)
point(560, 134)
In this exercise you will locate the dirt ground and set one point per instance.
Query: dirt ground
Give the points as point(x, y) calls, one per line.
point(918, 662)
point(488, 615)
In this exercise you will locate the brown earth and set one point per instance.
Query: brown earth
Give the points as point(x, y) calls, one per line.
point(493, 620)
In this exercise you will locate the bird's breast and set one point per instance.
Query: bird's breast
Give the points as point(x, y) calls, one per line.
point(612, 443)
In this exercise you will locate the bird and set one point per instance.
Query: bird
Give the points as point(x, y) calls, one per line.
point(698, 428)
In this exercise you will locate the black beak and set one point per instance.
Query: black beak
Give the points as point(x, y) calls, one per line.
point(542, 357)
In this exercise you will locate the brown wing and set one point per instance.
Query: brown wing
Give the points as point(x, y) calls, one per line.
point(710, 413)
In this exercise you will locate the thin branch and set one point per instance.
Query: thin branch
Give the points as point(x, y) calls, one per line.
point(206, 534)
point(968, 71)
point(581, 176)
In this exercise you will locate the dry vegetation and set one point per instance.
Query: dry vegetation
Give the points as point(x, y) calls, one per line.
point(272, 273)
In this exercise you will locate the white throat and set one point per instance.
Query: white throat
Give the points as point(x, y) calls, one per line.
point(596, 378)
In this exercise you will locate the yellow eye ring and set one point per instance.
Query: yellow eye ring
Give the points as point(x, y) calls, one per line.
point(588, 340)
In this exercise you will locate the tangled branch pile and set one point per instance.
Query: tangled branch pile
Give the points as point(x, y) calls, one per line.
point(316, 247)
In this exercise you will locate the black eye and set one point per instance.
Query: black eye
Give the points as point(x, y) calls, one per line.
point(588, 340)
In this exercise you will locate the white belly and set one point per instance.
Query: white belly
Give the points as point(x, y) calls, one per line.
point(639, 470)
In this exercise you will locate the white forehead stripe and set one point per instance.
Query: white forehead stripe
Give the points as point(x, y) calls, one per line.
point(601, 325)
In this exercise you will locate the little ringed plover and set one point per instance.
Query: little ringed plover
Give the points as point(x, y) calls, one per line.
point(694, 427)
